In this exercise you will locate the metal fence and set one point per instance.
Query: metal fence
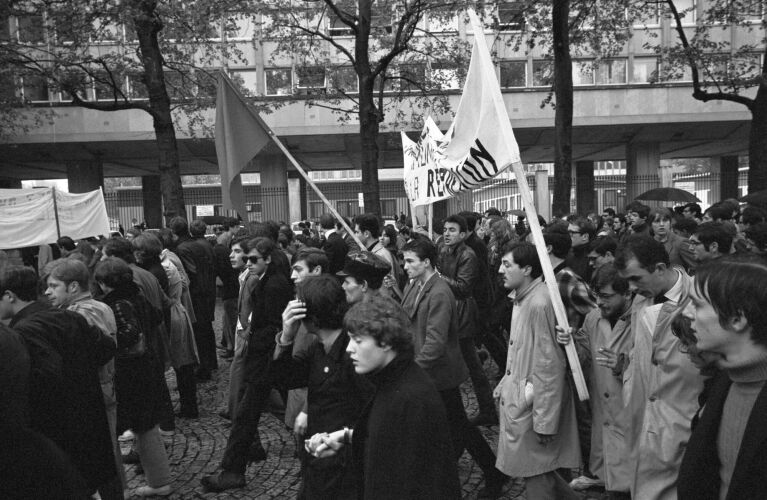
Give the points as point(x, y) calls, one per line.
point(609, 191)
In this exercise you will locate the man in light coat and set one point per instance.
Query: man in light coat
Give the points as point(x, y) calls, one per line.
point(538, 430)
point(661, 385)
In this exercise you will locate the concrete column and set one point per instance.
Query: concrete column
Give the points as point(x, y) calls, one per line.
point(274, 187)
point(584, 185)
point(152, 200)
point(542, 196)
point(728, 168)
point(85, 175)
point(294, 199)
point(666, 174)
point(642, 162)
point(8, 183)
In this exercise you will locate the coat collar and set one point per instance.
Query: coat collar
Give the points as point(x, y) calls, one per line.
point(31, 309)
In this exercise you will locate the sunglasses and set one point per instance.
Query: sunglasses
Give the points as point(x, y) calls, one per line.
point(252, 258)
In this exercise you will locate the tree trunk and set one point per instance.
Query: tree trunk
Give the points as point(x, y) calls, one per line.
point(148, 26)
point(368, 114)
point(757, 145)
point(563, 117)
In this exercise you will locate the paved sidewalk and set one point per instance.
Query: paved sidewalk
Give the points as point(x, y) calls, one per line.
point(198, 445)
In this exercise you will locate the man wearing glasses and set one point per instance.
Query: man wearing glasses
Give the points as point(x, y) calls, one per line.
point(711, 240)
point(582, 231)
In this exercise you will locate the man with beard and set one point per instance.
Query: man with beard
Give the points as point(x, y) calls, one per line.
point(609, 330)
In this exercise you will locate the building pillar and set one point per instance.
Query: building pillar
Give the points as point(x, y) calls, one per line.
point(728, 168)
point(542, 195)
point(584, 187)
point(642, 163)
point(152, 201)
point(294, 199)
point(84, 176)
point(274, 187)
point(9, 183)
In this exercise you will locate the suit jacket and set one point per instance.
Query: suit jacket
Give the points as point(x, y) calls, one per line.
point(699, 473)
point(336, 250)
point(434, 329)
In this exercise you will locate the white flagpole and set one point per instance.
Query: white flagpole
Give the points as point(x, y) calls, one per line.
point(535, 227)
point(295, 163)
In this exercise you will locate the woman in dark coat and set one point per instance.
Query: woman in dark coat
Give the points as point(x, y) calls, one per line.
point(401, 444)
point(138, 382)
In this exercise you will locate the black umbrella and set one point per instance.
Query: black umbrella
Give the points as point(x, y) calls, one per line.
point(668, 194)
point(755, 198)
point(213, 220)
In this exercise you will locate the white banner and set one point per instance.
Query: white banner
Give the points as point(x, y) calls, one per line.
point(478, 146)
point(28, 218)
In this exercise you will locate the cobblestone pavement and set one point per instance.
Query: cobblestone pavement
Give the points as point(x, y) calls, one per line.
point(197, 447)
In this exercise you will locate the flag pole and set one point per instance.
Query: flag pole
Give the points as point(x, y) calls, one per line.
point(535, 228)
point(294, 162)
point(56, 212)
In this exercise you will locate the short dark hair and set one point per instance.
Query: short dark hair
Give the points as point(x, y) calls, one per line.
point(604, 245)
point(524, 254)
point(241, 238)
point(685, 224)
point(734, 285)
point(719, 212)
point(662, 213)
point(120, 248)
point(585, 226)
point(758, 234)
point(557, 236)
point(492, 211)
point(71, 270)
point(641, 209)
point(384, 320)
point(463, 226)
point(609, 211)
point(327, 221)
point(714, 231)
point(694, 208)
point(20, 280)
point(608, 275)
point(179, 226)
point(391, 232)
point(471, 219)
point(198, 228)
point(113, 272)
point(262, 230)
point(325, 300)
point(424, 248)
point(264, 246)
point(752, 215)
point(166, 237)
point(645, 249)
point(66, 243)
point(369, 222)
point(313, 257)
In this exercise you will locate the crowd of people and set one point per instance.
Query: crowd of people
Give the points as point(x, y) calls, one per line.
point(368, 337)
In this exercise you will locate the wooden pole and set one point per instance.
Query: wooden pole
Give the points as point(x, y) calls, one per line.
point(56, 212)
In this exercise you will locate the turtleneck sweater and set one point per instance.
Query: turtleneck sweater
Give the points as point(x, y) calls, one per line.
point(747, 383)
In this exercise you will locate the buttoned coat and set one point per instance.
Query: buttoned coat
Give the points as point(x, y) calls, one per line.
point(459, 267)
point(434, 328)
point(535, 363)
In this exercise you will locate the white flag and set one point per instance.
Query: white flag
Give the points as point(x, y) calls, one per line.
point(479, 145)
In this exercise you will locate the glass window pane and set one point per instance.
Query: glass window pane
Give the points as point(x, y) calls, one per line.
point(336, 27)
point(279, 81)
point(511, 17)
point(31, 29)
point(35, 88)
point(645, 70)
point(445, 76)
point(345, 79)
point(137, 88)
point(441, 22)
point(583, 73)
point(105, 88)
point(5, 28)
point(415, 73)
point(513, 74)
point(310, 77)
point(543, 73)
point(611, 72)
point(686, 9)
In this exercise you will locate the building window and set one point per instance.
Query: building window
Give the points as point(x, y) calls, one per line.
point(336, 27)
point(31, 29)
point(646, 14)
point(513, 74)
point(583, 73)
point(279, 81)
point(106, 32)
point(104, 86)
point(381, 21)
point(344, 80)
point(136, 87)
point(35, 88)
point(247, 78)
point(440, 23)
point(611, 72)
point(687, 11)
point(412, 75)
point(310, 77)
point(5, 30)
point(644, 70)
point(511, 17)
point(446, 76)
point(543, 73)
